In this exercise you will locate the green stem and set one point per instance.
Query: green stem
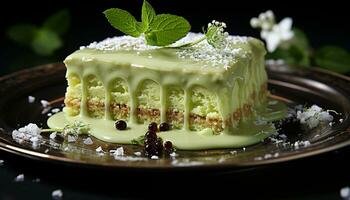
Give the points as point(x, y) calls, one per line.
point(190, 43)
point(52, 130)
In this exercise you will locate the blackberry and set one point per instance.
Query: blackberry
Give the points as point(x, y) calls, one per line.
point(164, 126)
point(120, 125)
point(153, 127)
point(151, 147)
point(151, 150)
point(151, 135)
point(168, 147)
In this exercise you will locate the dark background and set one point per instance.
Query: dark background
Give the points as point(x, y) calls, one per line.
point(325, 22)
point(320, 177)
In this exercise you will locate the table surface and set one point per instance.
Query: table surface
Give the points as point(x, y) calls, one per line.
point(318, 177)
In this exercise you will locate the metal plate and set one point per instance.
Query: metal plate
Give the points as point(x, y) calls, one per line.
point(293, 85)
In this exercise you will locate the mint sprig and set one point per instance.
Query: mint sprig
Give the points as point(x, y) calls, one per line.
point(123, 21)
point(165, 29)
point(147, 15)
point(159, 30)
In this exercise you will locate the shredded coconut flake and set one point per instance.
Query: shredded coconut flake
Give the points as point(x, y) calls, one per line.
point(44, 103)
point(19, 178)
point(57, 194)
point(72, 138)
point(31, 99)
point(55, 110)
point(88, 141)
point(173, 155)
point(205, 52)
point(314, 116)
point(345, 193)
point(30, 132)
point(200, 52)
point(99, 149)
point(53, 135)
point(118, 152)
point(299, 144)
point(137, 153)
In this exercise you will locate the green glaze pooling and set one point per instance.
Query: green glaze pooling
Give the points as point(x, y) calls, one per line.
point(247, 133)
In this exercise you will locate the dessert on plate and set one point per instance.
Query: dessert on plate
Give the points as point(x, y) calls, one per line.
point(206, 87)
point(190, 88)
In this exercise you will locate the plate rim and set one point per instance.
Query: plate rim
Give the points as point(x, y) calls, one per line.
point(32, 154)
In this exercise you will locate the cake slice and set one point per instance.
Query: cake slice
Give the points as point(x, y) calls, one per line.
point(191, 88)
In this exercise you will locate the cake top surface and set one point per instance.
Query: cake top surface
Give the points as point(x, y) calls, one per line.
point(200, 57)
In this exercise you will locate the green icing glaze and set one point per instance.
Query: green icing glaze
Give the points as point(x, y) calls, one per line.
point(247, 133)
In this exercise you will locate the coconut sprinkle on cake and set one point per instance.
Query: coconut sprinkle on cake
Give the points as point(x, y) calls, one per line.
point(202, 51)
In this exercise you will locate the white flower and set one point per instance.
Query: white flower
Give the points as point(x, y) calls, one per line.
point(76, 128)
point(216, 35)
point(273, 33)
point(254, 22)
point(279, 33)
point(265, 21)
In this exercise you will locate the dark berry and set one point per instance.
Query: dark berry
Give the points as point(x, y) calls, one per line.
point(164, 126)
point(150, 141)
point(151, 150)
point(151, 135)
point(120, 125)
point(168, 145)
point(153, 127)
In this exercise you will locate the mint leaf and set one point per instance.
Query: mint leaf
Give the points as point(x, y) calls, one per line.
point(165, 29)
point(123, 21)
point(333, 58)
point(46, 42)
point(59, 22)
point(22, 33)
point(147, 15)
